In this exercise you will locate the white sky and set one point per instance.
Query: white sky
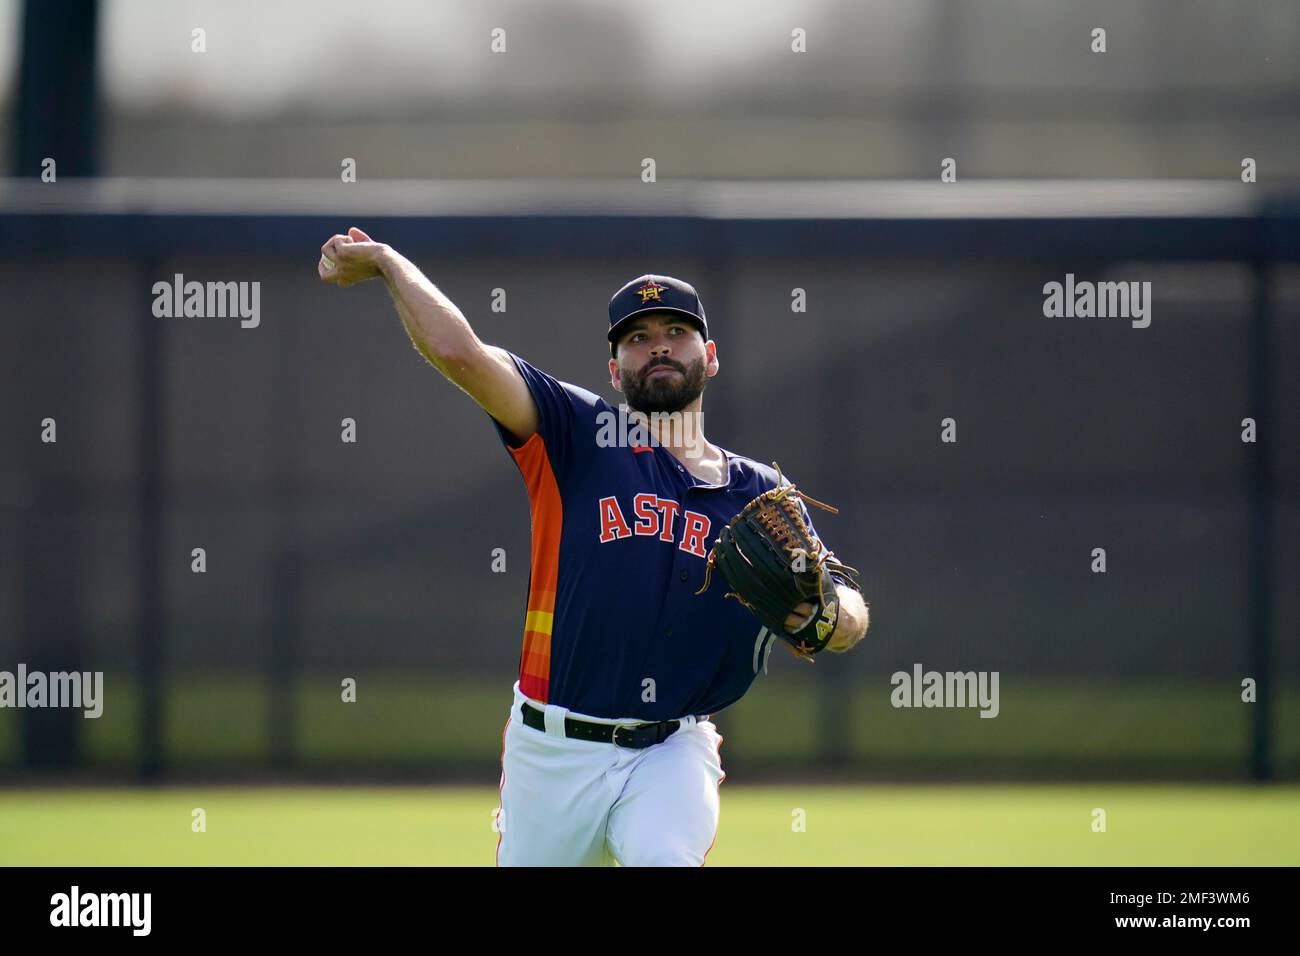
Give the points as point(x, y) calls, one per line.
point(263, 54)
point(268, 56)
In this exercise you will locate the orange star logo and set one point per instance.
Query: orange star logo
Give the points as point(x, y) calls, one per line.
point(651, 291)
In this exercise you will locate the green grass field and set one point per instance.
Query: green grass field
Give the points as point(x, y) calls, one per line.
point(1053, 729)
point(844, 825)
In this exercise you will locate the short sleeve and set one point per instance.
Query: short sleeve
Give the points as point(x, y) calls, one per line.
point(564, 414)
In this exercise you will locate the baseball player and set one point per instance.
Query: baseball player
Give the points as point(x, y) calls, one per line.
point(609, 752)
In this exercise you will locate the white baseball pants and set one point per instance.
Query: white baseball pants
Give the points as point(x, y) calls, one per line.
point(568, 802)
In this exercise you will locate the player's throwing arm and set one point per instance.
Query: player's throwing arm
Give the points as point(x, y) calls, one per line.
point(437, 328)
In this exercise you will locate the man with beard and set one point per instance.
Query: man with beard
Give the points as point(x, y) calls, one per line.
point(610, 754)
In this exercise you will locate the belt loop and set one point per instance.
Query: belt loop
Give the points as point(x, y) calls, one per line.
point(554, 716)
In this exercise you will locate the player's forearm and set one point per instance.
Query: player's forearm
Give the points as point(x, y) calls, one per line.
point(436, 326)
point(854, 620)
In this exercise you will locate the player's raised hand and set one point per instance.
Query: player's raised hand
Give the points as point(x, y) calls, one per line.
point(347, 260)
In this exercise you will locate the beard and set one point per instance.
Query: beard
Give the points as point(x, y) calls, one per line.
point(665, 393)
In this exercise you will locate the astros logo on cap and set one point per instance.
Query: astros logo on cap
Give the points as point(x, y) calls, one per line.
point(651, 291)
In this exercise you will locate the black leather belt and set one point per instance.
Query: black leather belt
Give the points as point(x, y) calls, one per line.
point(636, 736)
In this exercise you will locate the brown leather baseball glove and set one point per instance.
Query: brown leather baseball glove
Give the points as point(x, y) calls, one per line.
point(773, 562)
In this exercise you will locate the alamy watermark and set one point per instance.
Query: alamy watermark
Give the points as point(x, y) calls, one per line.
point(76, 908)
point(1102, 300)
point(80, 689)
point(208, 300)
point(629, 428)
point(946, 689)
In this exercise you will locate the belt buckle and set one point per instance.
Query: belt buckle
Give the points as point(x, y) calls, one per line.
point(613, 738)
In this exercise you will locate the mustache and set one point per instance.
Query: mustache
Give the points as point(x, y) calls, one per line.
point(664, 364)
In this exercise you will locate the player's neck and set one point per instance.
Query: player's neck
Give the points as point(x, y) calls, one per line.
point(681, 433)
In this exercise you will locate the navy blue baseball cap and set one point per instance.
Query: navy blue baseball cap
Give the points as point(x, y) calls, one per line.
point(652, 293)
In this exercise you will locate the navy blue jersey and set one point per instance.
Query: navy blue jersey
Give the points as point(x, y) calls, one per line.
point(620, 537)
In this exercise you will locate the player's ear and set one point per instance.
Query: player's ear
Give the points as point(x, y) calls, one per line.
point(711, 365)
point(615, 378)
